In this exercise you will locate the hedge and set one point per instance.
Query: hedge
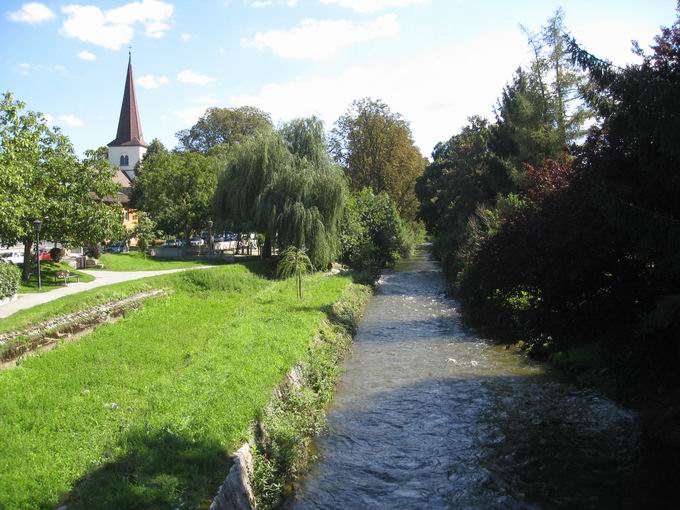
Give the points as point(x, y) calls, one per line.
point(9, 280)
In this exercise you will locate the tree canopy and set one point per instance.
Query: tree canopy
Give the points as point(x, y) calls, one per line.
point(284, 184)
point(376, 148)
point(176, 189)
point(223, 126)
point(43, 179)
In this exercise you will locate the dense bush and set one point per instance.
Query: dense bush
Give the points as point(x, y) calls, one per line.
point(371, 232)
point(56, 254)
point(92, 251)
point(9, 280)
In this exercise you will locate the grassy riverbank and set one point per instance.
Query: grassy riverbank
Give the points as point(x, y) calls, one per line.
point(136, 261)
point(143, 413)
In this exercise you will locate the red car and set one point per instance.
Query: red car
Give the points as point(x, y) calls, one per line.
point(45, 256)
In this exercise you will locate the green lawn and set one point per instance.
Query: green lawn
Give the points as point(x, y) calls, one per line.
point(49, 281)
point(135, 261)
point(143, 413)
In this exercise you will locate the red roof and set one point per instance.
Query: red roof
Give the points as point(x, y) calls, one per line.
point(129, 123)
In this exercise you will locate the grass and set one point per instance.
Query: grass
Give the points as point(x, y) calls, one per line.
point(48, 272)
point(143, 413)
point(135, 261)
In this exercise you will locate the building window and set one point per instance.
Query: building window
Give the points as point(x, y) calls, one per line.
point(126, 215)
point(124, 160)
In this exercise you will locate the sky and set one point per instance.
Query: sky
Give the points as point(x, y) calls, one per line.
point(436, 62)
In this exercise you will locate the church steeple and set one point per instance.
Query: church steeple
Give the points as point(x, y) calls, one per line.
point(129, 124)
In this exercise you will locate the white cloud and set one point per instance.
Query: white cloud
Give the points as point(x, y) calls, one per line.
point(113, 28)
point(188, 76)
point(149, 81)
point(49, 119)
point(292, 3)
point(186, 37)
point(260, 3)
point(190, 115)
point(25, 65)
point(366, 6)
point(32, 12)
point(430, 101)
point(317, 39)
point(71, 120)
point(157, 29)
point(86, 55)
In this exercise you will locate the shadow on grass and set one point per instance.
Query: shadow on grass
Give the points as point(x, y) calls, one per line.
point(160, 471)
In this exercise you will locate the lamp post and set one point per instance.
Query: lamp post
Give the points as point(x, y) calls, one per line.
point(36, 225)
point(210, 239)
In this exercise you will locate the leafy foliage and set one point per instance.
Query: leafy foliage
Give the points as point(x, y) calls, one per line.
point(376, 148)
point(176, 189)
point(371, 232)
point(42, 178)
point(145, 231)
point(294, 262)
point(223, 127)
point(284, 184)
point(9, 280)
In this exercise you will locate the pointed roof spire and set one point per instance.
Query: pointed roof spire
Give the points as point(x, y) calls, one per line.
point(129, 123)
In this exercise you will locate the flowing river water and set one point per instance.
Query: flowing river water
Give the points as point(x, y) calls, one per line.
point(428, 415)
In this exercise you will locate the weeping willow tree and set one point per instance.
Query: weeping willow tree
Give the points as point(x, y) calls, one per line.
point(284, 184)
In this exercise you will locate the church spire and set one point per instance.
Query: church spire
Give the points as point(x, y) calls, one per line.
point(129, 123)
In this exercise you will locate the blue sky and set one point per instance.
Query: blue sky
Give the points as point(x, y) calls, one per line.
point(434, 61)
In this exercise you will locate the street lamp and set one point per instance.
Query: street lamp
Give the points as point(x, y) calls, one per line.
point(37, 224)
point(210, 239)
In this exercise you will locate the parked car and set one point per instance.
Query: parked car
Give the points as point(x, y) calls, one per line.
point(45, 256)
point(12, 256)
point(172, 243)
point(196, 241)
point(119, 247)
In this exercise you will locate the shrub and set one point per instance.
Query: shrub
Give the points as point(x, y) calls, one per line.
point(56, 254)
point(92, 251)
point(9, 280)
point(371, 231)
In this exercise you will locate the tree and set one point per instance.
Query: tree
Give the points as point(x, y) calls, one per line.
point(145, 231)
point(224, 126)
point(43, 179)
point(176, 189)
point(371, 232)
point(282, 184)
point(561, 84)
point(294, 262)
point(376, 149)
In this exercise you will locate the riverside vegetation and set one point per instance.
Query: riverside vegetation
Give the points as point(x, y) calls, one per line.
point(144, 412)
point(565, 240)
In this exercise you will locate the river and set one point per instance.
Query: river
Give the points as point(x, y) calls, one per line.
point(429, 415)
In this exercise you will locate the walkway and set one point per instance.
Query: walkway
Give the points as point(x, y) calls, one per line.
point(102, 278)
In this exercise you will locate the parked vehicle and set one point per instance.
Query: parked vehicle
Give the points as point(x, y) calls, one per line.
point(45, 256)
point(172, 243)
point(196, 241)
point(12, 257)
point(120, 247)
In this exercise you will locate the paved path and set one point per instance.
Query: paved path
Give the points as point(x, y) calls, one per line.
point(102, 278)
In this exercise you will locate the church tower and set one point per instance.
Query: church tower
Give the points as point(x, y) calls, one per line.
point(129, 146)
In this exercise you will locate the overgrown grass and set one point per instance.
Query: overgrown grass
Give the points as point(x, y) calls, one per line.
point(143, 413)
point(48, 271)
point(283, 452)
point(135, 261)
